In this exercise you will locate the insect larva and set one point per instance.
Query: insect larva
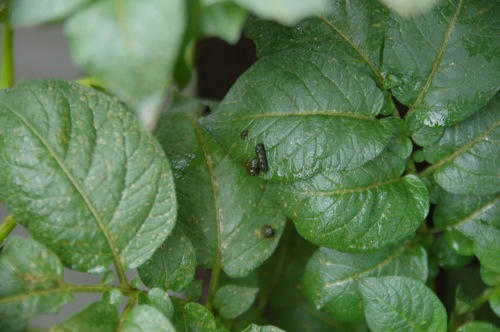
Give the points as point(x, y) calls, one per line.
point(261, 154)
point(252, 166)
point(268, 231)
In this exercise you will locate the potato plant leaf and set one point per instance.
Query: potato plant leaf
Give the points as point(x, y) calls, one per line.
point(310, 111)
point(222, 209)
point(367, 208)
point(198, 318)
point(223, 19)
point(466, 160)
point(131, 46)
point(173, 264)
point(91, 184)
point(144, 318)
point(401, 304)
point(31, 12)
point(444, 61)
point(256, 328)
point(233, 300)
point(32, 283)
point(158, 299)
point(331, 277)
point(99, 316)
point(478, 327)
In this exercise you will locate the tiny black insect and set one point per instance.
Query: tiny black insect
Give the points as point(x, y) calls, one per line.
point(252, 166)
point(206, 111)
point(261, 154)
point(268, 231)
point(244, 134)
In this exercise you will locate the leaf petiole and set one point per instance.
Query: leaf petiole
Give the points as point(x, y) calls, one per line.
point(6, 227)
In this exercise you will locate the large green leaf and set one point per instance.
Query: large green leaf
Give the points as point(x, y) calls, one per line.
point(310, 111)
point(173, 264)
point(99, 316)
point(466, 160)
point(131, 46)
point(31, 283)
point(364, 209)
point(145, 318)
point(353, 31)
point(444, 61)
point(477, 217)
point(222, 209)
point(31, 12)
point(401, 304)
point(285, 11)
point(331, 277)
point(83, 176)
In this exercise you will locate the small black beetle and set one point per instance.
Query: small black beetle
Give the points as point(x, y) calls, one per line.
point(244, 134)
point(268, 231)
point(261, 154)
point(252, 166)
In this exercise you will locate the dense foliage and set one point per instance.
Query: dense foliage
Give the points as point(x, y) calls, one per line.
point(348, 181)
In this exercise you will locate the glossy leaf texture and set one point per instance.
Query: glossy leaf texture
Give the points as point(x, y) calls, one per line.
point(367, 208)
point(173, 264)
point(331, 277)
point(466, 160)
point(478, 327)
point(222, 209)
point(32, 283)
point(99, 316)
point(444, 61)
point(143, 318)
point(477, 217)
point(256, 328)
point(91, 184)
point(130, 46)
point(401, 304)
point(31, 12)
point(311, 111)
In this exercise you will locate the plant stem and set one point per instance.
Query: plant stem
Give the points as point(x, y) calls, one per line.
point(214, 282)
point(131, 303)
point(7, 70)
point(6, 227)
point(410, 166)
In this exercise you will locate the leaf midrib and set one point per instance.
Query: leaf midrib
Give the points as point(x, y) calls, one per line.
point(331, 113)
point(474, 214)
point(351, 190)
point(116, 258)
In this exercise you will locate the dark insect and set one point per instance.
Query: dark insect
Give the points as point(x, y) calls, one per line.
point(268, 231)
point(261, 154)
point(252, 166)
point(244, 134)
point(206, 111)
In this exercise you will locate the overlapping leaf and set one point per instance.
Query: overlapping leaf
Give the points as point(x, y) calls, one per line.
point(444, 60)
point(478, 327)
point(256, 328)
point(401, 304)
point(90, 183)
point(477, 217)
point(32, 283)
point(235, 296)
point(364, 209)
point(223, 19)
point(331, 277)
point(196, 318)
point(158, 299)
point(311, 112)
point(31, 12)
point(131, 46)
point(99, 316)
point(146, 318)
point(466, 160)
point(222, 209)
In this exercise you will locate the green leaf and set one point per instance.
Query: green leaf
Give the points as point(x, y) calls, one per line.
point(173, 264)
point(233, 300)
point(478, 327)
point(285, 11)
point(31, 12)
point(446, 257)
point(158, 299)
point(367, 208)
point(256, 328)
point(444, 61)
point(197, 318)
point(310, 111)
point(90, 183)
point(477, 218)
point(146, 318)
point(222, 209)
point(99, 316)
point(490, 277)
point(331, 277)
point(494, 302)
point(223, 19)
point(131, 47)
point(353, 31)
point(401, 304)
point(461, 244)
point(467, 157)
point(32, 283)
point(409, 7)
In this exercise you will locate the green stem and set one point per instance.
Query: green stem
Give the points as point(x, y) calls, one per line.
point(214, 283)
point(410, 166)
point(6, 227)
point(7, 70)
point(131, 303)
